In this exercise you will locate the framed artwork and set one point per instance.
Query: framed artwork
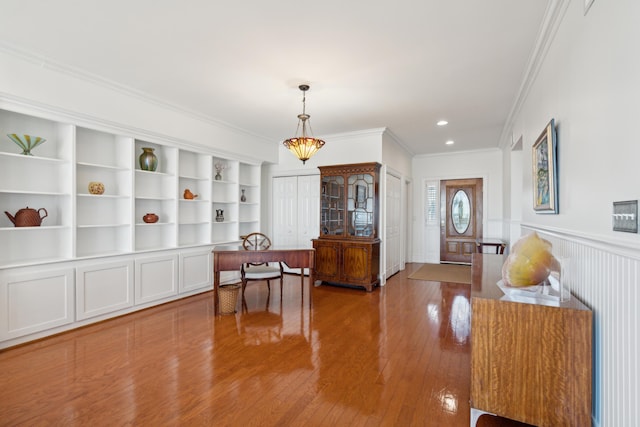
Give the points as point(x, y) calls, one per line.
point(545, 175)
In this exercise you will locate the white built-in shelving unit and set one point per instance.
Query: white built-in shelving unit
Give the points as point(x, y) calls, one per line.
point(93, 256)
point(80, 224)
point(42, 181)
point(103, 222)
point(249, 209)
point(194, 214)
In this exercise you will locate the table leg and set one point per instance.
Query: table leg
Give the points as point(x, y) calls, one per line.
point(216, 284)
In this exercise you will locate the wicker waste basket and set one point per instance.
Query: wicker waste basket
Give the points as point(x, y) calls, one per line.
point(228, 298)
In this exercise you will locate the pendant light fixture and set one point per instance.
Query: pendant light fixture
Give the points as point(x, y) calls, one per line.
point(303, 146)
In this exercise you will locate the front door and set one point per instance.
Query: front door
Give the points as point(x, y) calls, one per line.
point(460, 218)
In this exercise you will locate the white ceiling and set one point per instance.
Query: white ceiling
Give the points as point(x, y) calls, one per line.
point(401, 64)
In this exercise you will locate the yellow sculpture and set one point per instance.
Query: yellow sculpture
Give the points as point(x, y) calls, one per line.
point(530, 262)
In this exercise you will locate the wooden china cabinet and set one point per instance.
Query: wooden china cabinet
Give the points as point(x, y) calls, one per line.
point(348, 249)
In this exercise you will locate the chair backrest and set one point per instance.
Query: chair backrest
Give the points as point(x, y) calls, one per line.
point(256, 242)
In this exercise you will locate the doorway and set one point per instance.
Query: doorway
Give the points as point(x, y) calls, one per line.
point(460, 219)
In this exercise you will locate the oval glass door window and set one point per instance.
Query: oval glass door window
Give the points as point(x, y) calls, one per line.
point(461, 211)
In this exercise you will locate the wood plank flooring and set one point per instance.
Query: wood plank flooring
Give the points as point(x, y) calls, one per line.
point(398, 356)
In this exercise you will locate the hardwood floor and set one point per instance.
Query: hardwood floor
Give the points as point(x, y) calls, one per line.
point(398, 356)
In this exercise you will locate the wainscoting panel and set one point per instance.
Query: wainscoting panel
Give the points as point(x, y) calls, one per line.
point(606, 277)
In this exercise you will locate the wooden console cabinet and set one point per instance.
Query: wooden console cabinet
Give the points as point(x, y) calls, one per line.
point(529, 362)
point(348, 249)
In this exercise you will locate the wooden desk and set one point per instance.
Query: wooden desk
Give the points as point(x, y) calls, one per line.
point(529, 362)
point(231, 258)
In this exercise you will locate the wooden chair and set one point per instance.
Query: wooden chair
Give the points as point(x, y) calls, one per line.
point(493, 246)
point(262, 271)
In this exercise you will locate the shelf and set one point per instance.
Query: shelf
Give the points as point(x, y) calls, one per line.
point(153, 224)
point(35, 261)
point(36, 228)
point(226, 242)
point(34, 158)
point(103, 225)
point(161, 199)
point(194, 223)
point(195, 178)
point(154, 173)
point(103, 196)
point(99, 166)
point(90, 255)
point(198, 200)
point(34, 193)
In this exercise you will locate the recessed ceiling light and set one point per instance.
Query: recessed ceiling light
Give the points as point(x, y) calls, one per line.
point(442, 123)
point(449, 142)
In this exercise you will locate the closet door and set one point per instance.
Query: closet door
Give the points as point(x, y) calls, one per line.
point(285, 211)
point(393, 225)
point(308, 209)
point(296, 211)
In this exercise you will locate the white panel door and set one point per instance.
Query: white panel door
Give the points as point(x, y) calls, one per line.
point(308, 209)
point(296, 212)
point(285, 211)
point(35, 301)
point(103, 288)
point(393, 224)
point(156, 278)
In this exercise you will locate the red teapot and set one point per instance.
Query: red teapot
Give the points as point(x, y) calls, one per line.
point(27, 217)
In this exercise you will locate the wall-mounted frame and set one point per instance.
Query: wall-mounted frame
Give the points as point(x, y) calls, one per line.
point(587, 5)
point(545, 171)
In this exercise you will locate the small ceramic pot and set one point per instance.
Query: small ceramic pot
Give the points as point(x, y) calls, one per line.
point(150, 218)
point(96, 187)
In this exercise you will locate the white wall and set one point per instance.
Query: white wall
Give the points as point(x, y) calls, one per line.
point(589, 81)
point(485, 164)
point(590, 84)
point(395, 156)
point(81, 95)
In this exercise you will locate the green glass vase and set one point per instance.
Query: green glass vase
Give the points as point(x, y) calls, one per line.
point(148, 160)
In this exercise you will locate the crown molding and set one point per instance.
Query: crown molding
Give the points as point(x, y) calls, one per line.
point(553, 17)
point(355, 134)
point(45, 111)
point(461, 152)
point(398, 141)
point(47, 63)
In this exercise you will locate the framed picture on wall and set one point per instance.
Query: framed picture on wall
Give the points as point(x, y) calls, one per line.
point(545, 175)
